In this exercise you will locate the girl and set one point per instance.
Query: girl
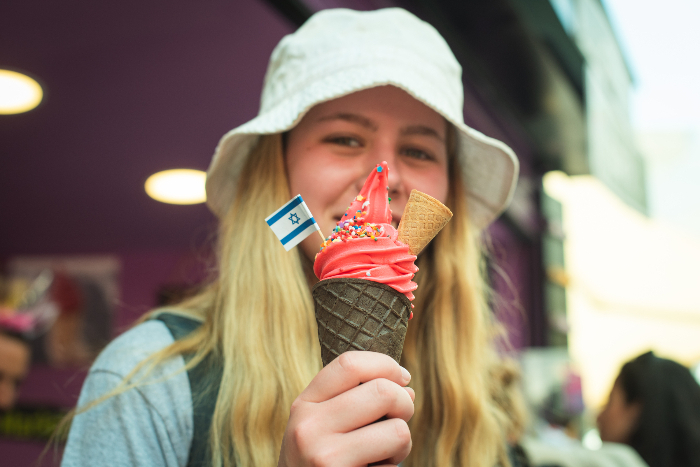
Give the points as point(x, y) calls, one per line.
point(345, 92)
point(654, 407)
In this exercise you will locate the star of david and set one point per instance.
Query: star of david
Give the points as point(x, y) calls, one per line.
point(294, 218)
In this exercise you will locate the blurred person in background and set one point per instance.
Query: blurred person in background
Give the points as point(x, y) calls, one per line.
point(15, 357)
point(654, 407)
point(560, 413)
point(555, 437)
point(344, 93)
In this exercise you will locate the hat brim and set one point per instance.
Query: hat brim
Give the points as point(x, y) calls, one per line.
point(489, 167)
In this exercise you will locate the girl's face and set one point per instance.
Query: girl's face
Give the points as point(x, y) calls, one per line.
point(618, 420)
point(335, 146)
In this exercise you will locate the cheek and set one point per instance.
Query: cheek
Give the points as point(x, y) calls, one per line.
point(432, 182)
point(616, 424)
point(305, 183)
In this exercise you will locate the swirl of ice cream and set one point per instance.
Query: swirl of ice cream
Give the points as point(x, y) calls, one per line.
point(364, 244)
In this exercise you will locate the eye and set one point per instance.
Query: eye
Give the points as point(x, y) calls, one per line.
point(415, 153)
point(348, 141)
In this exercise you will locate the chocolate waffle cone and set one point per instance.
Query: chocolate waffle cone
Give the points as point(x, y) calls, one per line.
point(359, 314)
point(423, 217)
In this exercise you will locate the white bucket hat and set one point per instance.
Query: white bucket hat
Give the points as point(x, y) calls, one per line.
point(338, 52)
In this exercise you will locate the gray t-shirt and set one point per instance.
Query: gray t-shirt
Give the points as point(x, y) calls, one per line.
point(150, 425)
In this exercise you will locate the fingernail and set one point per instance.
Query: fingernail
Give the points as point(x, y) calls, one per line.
point(406, 375)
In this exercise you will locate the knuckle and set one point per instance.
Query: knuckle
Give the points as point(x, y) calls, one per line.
point(303, 435)
point(322, 458)
point(295, 407)
point(384, 389)
point(403, 433)
point(347, 362)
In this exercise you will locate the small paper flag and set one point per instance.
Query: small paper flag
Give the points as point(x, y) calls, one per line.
point(292, 223)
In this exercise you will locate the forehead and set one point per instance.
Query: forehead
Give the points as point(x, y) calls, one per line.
point(383, 104)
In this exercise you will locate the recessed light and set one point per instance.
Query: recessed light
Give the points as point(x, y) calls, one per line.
point(177, 186)
point(18, 93)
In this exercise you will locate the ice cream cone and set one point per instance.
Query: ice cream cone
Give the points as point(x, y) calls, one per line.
point(423, 217)
point(359, 314)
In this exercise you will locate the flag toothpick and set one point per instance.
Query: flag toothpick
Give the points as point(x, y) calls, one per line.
point(293, 222)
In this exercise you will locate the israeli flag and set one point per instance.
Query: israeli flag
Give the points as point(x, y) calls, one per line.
point(292, 223)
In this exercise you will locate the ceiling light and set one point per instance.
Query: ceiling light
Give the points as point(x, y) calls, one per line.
point(177, 186)
point(18, 93)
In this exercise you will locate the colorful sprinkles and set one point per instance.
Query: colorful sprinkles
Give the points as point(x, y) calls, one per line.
point(353, 229)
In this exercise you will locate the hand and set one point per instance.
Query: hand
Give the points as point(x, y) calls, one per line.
point(331, 422)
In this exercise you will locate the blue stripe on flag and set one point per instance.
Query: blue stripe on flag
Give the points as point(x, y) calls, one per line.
point(298, 230)
point(292, 204)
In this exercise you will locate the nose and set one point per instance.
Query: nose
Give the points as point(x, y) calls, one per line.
point(395, 181)
point(384, 150)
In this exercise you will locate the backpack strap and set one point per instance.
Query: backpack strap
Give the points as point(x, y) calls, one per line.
point(205, 379)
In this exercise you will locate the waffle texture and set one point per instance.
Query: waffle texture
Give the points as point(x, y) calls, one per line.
point(359, 314)
point(423, 217)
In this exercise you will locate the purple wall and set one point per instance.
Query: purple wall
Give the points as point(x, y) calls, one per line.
point(137, 89)
point(130, 89)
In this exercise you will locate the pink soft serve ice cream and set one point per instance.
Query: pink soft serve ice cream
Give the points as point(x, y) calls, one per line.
point(364, 244)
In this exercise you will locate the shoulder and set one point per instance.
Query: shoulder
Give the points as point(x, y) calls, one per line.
point(573, 454)
point(622, 454)
point(132, 347)
point(151, 421)
point(163, 386)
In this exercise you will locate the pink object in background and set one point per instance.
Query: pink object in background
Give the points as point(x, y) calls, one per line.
point(16, 322)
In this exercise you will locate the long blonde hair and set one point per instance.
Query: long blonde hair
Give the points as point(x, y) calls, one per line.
point(448, 349)
point(258, 316)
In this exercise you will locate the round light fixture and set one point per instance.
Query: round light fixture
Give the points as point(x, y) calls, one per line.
point(177, 186)
point(18, 93)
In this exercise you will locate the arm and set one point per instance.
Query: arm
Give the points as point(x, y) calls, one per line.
point(124, 430)
point(145, 426)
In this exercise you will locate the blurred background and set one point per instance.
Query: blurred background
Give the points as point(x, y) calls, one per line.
point(595, 261)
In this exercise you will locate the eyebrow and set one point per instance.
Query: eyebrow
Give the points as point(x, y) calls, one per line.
point(353, 118)
point(371, 125)
point(422, 130)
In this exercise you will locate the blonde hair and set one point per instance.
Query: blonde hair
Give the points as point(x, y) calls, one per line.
point(258, 316)
point(449, 351)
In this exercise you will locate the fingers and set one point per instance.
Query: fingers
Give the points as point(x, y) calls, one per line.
point(333, 421)
point(349, 370)
point(386, 442)
point(366, 404)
